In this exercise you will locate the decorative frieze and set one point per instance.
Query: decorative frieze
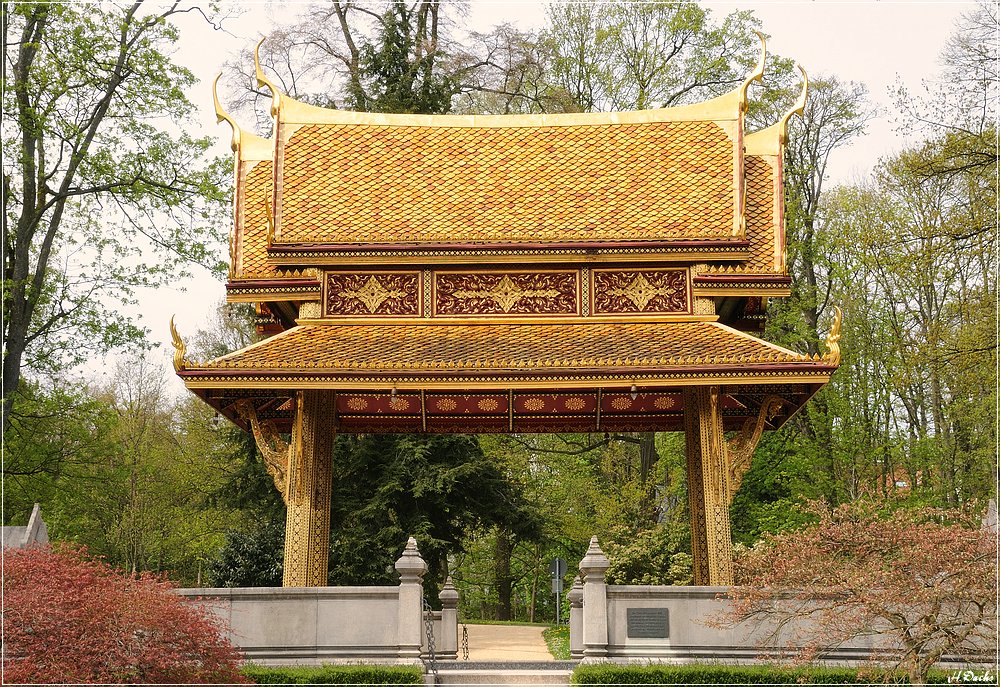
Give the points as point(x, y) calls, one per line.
point(394, 294)
point(640, 291)
point(506, 293)
point(583, 292)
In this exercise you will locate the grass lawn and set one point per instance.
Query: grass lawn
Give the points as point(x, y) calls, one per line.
point(557, 639)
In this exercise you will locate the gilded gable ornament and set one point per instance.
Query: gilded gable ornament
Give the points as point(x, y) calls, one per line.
point(641, 292)
point(505, 294)
point(648, 291)
point(366, 293)
point(521, 293)
point(373, 294)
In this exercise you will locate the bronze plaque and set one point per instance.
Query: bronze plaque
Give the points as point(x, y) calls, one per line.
point(647, 623)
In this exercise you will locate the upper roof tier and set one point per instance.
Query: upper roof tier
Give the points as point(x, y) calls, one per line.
point(335, 182)
point(575, 179)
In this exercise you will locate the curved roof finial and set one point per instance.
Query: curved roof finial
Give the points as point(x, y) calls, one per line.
point(758, 71)
point(179, 348)
point(832, 342)
point(262, 79)
point(798, 108)
point(223, 116)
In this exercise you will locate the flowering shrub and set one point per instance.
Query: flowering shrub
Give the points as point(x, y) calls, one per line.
point(920, 582)
point(71, 619)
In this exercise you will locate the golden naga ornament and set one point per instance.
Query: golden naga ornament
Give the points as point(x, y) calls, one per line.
point(262, 80)
point(179, 348)
point(833, 338)
point(222, 116)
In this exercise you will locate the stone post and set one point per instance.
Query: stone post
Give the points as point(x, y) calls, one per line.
point(447, 643)
point(411, 568)
point(595, 602)
point(575, 596)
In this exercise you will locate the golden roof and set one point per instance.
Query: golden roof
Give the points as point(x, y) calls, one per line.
point(761, 190)
point(332, 182)
point(350, 353)
point(257, 187)
point(392, 184)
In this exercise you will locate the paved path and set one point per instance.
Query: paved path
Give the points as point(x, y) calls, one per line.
point(506, 643)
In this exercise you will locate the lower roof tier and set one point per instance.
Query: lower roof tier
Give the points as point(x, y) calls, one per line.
point(497, 378)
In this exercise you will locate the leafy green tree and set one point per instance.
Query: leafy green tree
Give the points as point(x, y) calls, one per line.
point(250, 557)
point(624, 55)
point(127, 472)
point(961, 103)
point(399, 65)
point(99, 198)
point(920, 286)
point(437, 488)
point(57, 436)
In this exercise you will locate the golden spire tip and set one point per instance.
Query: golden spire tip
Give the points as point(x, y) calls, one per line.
point(222, 116)
point(758, 71)
point(179, 348)
point(262, 79)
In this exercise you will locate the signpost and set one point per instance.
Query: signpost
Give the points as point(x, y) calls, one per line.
point(557, 571)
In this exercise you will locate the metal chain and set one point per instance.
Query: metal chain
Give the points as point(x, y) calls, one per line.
point(465, 642)
point(431, 651)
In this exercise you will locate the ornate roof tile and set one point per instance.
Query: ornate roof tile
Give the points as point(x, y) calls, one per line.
point(367, 183)
point(257, 187)
point(502, 347)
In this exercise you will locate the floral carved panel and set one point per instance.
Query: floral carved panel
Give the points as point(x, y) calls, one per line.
point(372, 293)
point(640, 291)
point(506, 293)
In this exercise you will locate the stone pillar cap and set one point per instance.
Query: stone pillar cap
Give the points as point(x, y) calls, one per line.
point(595, 561)
point(575, 594)
point(410, 565)
point(448, 595)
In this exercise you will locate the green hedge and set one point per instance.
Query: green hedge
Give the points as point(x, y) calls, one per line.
point(732, 675)
point(335, 675)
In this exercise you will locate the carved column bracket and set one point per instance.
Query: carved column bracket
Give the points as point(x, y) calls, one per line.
point(739, 449)
point(275, 450)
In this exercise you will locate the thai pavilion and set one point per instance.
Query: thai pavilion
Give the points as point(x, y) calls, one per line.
point(597, 272)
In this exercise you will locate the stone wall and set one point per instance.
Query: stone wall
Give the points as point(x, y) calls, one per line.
point(637, 623)
point(316, 625)
point(35, 532)
point(308, 625)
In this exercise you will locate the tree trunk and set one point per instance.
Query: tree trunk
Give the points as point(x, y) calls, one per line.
point(534, 585)
point(502, 552)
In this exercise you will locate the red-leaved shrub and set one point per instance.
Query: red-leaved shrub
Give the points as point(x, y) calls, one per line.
point(71, 619)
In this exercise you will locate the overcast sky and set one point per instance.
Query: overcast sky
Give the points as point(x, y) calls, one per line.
point(876, 43)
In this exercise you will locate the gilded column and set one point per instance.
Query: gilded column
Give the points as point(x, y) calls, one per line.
point(308, 491)
point(708, 487)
